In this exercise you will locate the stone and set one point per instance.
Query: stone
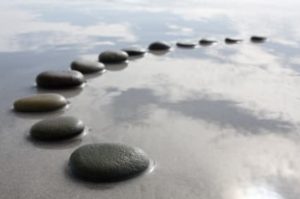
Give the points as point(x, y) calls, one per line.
point(232, 41)
point(207, 42)
point(59, 79)
point(40, 103)
point(159, 45)
point(87, 66)
point(134, 51)
point(258, 39)
point(108, 162)
point(113, 57)
point(186, 44)
point(55, 129)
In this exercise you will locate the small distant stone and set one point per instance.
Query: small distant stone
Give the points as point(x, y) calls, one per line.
point(59, 79)
point(56, 129)
point(258, 39)
point(108, 162)
point(87, 66)
point(40, 103)
point(159, 45)
point(207, 42)
point(134, 51)
point(232, 41)
point(113, 57)
point(186, 44)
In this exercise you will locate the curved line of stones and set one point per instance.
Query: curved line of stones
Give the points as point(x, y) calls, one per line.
point(202, 42)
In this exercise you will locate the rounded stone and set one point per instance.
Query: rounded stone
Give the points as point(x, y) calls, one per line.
point(55, 129)
point(87, 66)
point(108, 162)
point(40, 103)
point(258, 39)
point(186, 44)
point(232, 41)
point(207, 42)
point(112, 57)
point(159, 45)
point(134, 51)
point(59, 79)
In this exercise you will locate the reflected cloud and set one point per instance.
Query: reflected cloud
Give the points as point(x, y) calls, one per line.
point(137, 104)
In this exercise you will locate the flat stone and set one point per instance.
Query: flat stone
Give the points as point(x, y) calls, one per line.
point(108, 162)
point(207, 42)
point(186, 44)
point(112, 57)
point(134, 51)
point(40, 103)
point(258, 39)
point(159, 45)
point(59, 79)
point(56, 129)
point(87, 66)
point(232, 41)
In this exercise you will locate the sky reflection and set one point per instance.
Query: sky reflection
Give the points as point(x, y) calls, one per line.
point(221, 121)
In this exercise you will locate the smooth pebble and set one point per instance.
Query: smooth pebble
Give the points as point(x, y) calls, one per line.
point(40, 103)
point(59, 79)
point(87, 66)
point(55, 129)
point(108, 162)
point(113, 57)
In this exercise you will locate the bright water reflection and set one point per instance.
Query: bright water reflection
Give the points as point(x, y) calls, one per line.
point(220, 121)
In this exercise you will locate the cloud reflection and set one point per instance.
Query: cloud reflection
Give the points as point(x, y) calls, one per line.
point(136, 104)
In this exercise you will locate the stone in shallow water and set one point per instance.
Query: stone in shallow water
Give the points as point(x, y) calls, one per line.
point(159, 45)
point(59, 79)
point(40, 103)
point(207, 42)
point(56, 129)
point(108, 162)
point(134, 51)
point(232, 41)
point(87, 66)
point(112, 57)
point(186, 44)
point(258, 39)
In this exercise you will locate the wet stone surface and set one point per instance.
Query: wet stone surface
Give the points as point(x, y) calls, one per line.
point(186, 44)
point(113, 57)
point(87, 66)
point(258, 39)
point(56, 129)
point(59, 79)
point(108, 162)
point(207, 42)
point(134, 51)
point(232, 40)
point(159, 45)
point(40, 103)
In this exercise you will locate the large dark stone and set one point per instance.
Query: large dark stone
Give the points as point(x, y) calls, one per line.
point(55, 129)
point(134, 51)
point(40, 103)
point(258, 39)
point(186, 44)
point(59, 79)
point(112, 57)
point(159, 45)
point(87, 66)
point(108, 162)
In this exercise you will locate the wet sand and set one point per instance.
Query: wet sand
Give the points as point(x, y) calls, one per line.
point(218, 122)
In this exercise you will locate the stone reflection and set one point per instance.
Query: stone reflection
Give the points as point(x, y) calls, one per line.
point(134, 105)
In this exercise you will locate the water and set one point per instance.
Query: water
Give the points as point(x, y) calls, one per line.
point(219, 121)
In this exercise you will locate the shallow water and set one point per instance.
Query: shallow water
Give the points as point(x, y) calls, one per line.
point(220, 122)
